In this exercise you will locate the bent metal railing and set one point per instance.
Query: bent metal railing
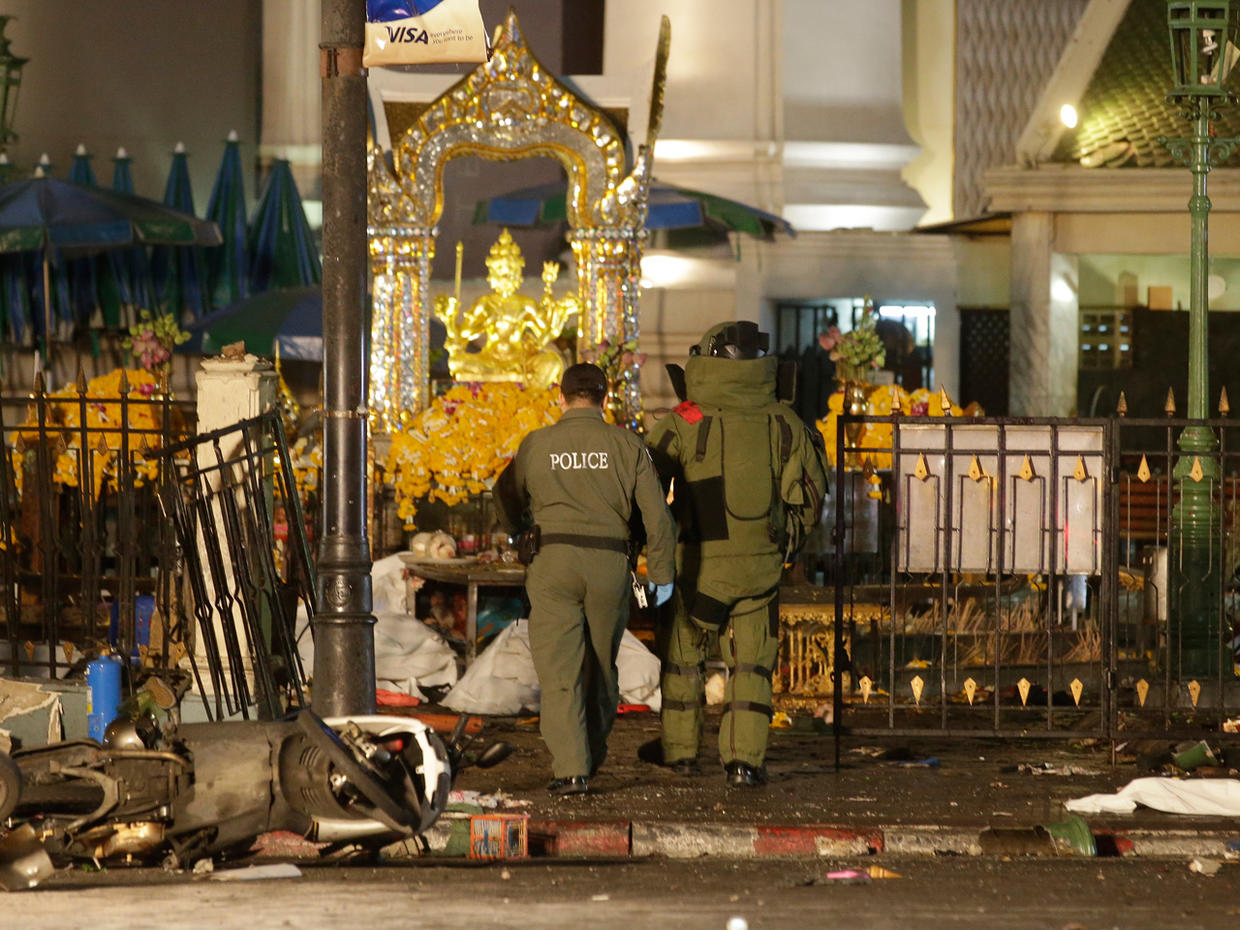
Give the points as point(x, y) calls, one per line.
point(1008, 577)
point(238, 519)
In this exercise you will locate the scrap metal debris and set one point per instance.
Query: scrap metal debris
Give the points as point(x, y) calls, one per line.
point(23, 860)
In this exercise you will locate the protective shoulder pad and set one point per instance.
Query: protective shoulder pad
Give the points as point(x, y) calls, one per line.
point(688, 411)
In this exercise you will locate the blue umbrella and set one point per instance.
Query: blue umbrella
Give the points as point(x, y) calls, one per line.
point(228, 267)
point(289, 318)
point(180, 274)
point(282, 247)
point(57, 218)
point(15, 287)
point(694, 216)
point(83, 281)
point(128, 288)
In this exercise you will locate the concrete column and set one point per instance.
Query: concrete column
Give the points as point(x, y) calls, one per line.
point(291, 104)
point(1045, 324)
point(229, 391)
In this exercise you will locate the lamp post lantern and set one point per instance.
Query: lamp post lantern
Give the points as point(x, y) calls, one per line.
point(1201, 55)
point(10, 83)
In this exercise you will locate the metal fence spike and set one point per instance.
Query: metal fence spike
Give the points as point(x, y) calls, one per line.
point(1224, 406)
point(1143, 691)
point(1121, 406)
point(1169, 406)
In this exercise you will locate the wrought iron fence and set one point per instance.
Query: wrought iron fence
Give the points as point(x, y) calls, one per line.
point(1008, 577)
point(86, 562)
point(122, 531)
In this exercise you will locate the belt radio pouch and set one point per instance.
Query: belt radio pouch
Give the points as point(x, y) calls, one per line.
point(528, 544)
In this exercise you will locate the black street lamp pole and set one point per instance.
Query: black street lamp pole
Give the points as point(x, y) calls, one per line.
point(344, 646)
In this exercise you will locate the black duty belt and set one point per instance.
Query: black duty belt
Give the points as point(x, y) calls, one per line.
point(585, 542)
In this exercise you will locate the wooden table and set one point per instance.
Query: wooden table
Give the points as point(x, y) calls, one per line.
point(473, 575)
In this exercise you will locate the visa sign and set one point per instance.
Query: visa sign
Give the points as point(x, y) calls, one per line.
point(411, 32)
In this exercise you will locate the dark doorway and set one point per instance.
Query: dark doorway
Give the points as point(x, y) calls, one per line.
point(984, 358)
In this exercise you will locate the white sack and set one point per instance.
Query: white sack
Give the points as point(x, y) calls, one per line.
point(408, 653)
point(638, 671)
point(502, 679)
point(1209, 797)
point(387, 586)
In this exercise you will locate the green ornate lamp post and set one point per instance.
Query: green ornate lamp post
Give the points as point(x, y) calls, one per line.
point(1200, 57)
point(10, 83)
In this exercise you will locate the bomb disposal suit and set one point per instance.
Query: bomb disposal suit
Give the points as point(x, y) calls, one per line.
point(748, 487)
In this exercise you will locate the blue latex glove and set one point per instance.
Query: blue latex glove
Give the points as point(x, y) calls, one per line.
point(662, 593)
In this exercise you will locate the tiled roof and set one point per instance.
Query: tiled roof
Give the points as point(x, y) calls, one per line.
point(1127, 97)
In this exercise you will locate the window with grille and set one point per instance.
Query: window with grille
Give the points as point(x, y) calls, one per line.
point(1105, 339)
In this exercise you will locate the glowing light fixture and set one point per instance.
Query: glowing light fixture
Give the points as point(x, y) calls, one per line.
point(1067, 115)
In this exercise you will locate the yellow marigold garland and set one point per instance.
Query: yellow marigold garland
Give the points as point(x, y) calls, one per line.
point(883, 402)
point(457, 446)
point(103, 422)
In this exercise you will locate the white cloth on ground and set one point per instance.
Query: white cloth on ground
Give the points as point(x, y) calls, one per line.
point(1210, 797)
point(409, 655)
point(502, 679)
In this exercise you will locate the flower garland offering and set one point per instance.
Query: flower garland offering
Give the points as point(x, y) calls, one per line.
point(859, 350)
point(457, 446)
point(152, 339)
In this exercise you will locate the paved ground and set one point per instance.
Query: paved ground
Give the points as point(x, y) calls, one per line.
point(880, 782)
point(974, 784)
point(930, 892)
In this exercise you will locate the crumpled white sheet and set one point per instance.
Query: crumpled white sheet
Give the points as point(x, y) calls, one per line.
point(1208, 797)
point(502, 679)
point(409, 655)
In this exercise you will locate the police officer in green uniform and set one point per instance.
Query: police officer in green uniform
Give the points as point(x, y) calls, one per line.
point(578, 484)
point(748, 487)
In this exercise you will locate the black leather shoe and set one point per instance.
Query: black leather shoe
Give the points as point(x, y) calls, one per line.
point(743, 775)
point(563, 787)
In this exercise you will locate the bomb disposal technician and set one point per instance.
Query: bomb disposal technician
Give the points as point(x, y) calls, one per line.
point(748, 487)
point(574, 486)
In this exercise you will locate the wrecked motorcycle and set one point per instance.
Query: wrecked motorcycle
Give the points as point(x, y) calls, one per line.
point(209, 789)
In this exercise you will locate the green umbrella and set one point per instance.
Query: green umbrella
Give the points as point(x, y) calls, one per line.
point(288, 320)
point(282, 249)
